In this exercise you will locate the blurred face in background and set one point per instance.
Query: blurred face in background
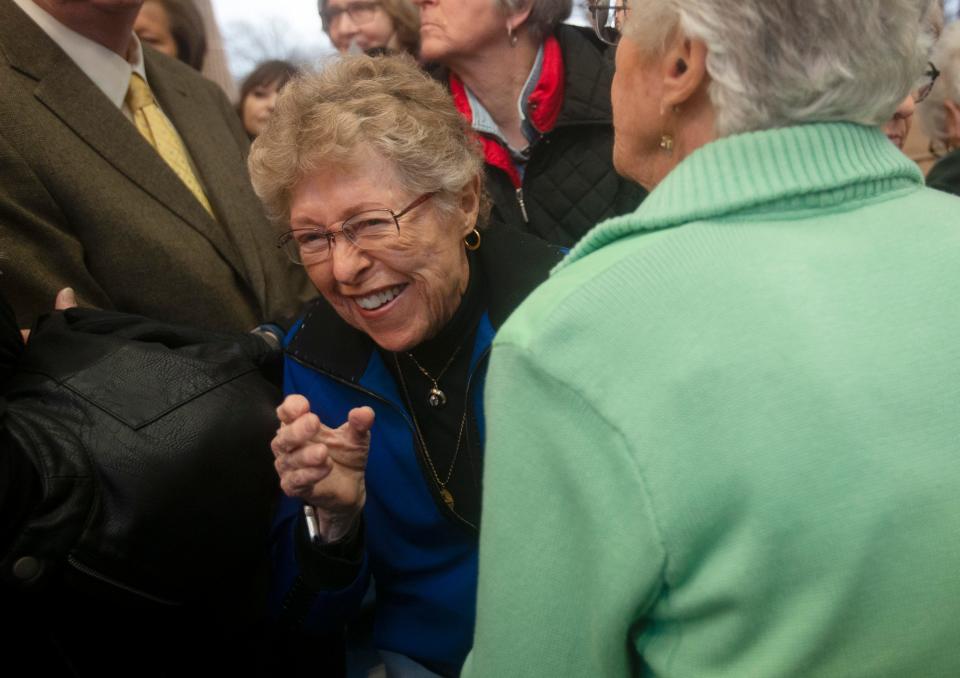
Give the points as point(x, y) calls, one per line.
point(153, 27)
point(451, 30)
point(258, 106)
point(364, 23)
point(898, 127)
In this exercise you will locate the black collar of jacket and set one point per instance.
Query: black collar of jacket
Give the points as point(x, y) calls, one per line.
point(514, 264)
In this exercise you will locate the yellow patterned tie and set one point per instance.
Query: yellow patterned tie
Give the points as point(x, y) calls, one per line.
point(160, 134)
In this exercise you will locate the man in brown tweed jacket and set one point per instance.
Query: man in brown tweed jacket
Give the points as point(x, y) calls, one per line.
point(86, 202)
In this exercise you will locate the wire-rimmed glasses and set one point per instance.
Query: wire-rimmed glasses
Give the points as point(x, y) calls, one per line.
point(368, 230)
point(607, 18)
point(929, 79)
point(361, 12)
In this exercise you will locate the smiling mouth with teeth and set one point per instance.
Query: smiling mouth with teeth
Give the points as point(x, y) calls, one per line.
point(371, 302)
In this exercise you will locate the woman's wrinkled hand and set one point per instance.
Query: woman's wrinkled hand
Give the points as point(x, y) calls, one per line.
point(323, 466)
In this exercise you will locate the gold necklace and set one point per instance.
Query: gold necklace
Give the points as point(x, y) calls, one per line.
point(444, 492)
point(436, 397)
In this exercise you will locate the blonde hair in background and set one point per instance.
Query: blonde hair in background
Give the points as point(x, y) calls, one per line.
point(385, 104)
point(775, 63)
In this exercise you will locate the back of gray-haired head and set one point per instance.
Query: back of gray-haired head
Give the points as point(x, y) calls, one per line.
point(775, 63)
point(545, 15)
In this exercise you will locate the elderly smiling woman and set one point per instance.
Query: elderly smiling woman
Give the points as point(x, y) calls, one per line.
point(381, 184)
point(723, 436)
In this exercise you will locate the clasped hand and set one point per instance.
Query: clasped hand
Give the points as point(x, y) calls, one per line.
point(323, 466)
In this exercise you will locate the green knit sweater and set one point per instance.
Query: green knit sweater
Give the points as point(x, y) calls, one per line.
point(724, 437)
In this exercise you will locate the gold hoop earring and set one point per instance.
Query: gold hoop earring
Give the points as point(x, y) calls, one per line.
point(472, 240)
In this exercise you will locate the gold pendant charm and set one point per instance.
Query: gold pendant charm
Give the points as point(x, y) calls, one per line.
point(447, 497)
point(437, 398)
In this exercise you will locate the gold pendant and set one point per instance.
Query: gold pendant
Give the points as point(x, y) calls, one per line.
point(447, 497)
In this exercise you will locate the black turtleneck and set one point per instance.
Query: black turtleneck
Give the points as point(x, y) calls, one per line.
point(441, 426)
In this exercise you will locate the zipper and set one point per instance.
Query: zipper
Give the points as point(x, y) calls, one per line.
point(523, 206)
point(421, 461)
point(90, 572)
point(357, 387)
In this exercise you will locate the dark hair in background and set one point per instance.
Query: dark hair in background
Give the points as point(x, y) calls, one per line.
point(266, 73)
point(186, 26)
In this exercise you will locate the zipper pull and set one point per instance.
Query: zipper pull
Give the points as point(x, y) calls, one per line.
point(523, 207)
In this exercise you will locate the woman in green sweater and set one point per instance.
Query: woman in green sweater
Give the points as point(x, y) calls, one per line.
point(724, 436)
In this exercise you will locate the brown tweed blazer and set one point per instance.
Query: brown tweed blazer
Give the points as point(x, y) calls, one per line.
point(86, 202)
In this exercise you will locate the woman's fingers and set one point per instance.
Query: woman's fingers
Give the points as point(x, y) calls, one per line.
point(303, 478)
point(298, 433)
point(360, 420)
point(292, 407)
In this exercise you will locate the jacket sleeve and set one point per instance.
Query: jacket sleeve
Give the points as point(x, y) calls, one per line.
point(316, 590)
point(570, 554)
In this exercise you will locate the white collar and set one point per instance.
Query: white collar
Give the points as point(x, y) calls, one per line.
point(108, 70)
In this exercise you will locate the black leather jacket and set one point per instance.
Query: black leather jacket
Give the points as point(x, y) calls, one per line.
point(143, 540)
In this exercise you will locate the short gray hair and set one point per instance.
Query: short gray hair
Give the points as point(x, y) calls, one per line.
point(946, 57)
point(387, 104)
point(545, 15)
point(775, 63)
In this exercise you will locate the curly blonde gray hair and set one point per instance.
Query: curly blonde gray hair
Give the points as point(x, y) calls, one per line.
point(386, 104)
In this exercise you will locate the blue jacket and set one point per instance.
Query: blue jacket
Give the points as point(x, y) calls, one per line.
point(423, 562)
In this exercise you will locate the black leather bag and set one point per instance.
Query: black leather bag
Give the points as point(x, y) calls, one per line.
point(152, 443)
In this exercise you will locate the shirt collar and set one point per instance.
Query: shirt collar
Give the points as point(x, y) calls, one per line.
point(108, 70)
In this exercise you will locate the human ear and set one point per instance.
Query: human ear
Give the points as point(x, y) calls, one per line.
point(684, 71)
point(516, 19)
point(468, 204)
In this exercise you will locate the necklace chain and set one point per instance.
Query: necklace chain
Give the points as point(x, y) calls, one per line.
point(444, 492)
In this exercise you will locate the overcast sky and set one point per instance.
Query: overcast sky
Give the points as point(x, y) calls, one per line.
point(298, 19)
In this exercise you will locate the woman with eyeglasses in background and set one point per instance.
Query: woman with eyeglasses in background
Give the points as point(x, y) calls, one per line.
point(380, 446)
point(898, 127)
point(371, 26)
point(939, 114)
point(537, 92)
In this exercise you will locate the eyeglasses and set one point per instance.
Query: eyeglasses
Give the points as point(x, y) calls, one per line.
point(368, 230)
point(360, 13)
point(607, 20)
point(929, 78)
